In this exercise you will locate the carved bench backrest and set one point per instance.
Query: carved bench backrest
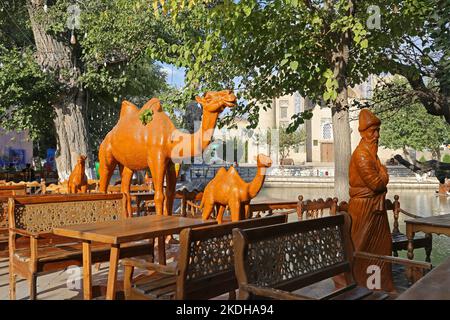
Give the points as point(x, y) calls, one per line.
point(294, 255)
point(206, 264)
point(312, 209)
point(40, 214)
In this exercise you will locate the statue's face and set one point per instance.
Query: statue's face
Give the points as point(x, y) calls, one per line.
point(371, 135)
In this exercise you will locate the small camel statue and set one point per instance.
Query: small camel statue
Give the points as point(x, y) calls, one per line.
point(156, 145)
point(78, 181)
point(227, 188)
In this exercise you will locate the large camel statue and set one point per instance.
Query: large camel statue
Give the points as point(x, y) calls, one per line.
point(156, 145)
point(228, 189)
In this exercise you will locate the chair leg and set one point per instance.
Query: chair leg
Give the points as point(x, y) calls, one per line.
point(12, 285)
point(127, 280)
point(33, 288)
point(428, 248)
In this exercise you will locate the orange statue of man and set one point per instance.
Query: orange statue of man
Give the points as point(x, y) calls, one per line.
point(368, 187)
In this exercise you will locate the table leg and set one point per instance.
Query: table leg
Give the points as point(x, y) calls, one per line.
point(87, 271)
point(112, 276)
point(410, 235)
point(162, 250)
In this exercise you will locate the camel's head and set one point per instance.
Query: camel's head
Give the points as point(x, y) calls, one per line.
point(217, 101)
point(81, 159)
point(263, 161)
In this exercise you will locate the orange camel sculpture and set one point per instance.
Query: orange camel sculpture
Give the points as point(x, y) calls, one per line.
point(228, 189)
point(78, 181)
point(156, 145)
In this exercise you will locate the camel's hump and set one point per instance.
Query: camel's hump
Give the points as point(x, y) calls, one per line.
point(127, 108)
point(153, 104)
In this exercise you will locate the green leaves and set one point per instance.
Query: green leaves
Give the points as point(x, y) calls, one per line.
point(146, 116)
point(293, 65)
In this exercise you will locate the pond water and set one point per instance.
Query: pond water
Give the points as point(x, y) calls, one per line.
point(420, 202)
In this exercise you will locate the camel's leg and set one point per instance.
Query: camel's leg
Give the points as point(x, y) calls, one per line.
point(107, 166)
point(126, 176)
point(171, 181)
point(220, 212)
point(157, 168)
point(246, 211)
point(207, 210)
point(235, 210)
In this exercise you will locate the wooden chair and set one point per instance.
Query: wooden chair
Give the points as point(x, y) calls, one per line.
point(34, 249)
point(399, 239)
point(11, 190)
point(273, 261)
point(5, 192)
point(205, 267)
point(312, 209)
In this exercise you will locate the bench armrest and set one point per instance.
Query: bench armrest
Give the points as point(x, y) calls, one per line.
point(25, 233)
point(170, 270)
point(405, 262)
point(272, 293)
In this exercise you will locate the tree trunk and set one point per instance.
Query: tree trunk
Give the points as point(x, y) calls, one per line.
point(58, 58)
point(71, 133)
point(340, 117)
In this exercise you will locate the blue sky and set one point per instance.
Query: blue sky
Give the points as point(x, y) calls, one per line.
point(175, 76)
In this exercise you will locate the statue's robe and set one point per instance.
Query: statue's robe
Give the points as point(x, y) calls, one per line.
point(370, 225)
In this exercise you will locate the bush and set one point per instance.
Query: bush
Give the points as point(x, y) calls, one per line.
point(422, 159)
point(446, 158)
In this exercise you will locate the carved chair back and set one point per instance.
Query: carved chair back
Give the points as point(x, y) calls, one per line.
point(206, 264)
point(133, 188)
point(294, 255)
point(38, 215)
point(11, 190)
point(312, 209)
point(3, 212)
point(389, 205)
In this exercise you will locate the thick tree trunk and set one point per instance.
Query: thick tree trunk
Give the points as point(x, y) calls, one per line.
point(58, 58)
point(71, 133)
point(340, 117)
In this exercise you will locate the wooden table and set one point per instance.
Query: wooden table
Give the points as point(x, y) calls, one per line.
point(270, 204)
point(433, 286)
point(116, 233)
point(434, 224)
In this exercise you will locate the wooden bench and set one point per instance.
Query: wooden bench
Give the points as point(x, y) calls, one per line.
point(273, 261)
point(205, 268)
point(399, 239)
point(34, 249)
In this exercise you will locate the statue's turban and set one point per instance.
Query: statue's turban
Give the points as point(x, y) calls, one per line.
point(367, 119)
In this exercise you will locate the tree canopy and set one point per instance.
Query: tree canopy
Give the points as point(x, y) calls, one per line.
point(408, 126)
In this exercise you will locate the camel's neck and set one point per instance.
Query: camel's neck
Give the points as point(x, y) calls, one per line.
point(257, 182)
point(192, 145)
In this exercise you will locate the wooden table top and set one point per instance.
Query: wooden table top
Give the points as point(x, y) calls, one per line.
point(132, 229)
point(433, 286)
point(438, 221)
